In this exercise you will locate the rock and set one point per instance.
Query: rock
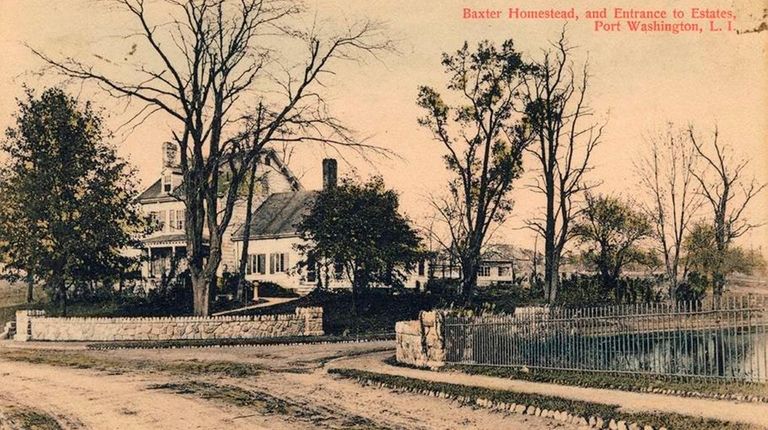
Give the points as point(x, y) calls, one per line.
point(622, 425)
point(634, 426)
point(647, 427)
point(525, 369)
point(537, 412)
point(531, 410)
point(612, 425)
point(599, 423)
point(519, 409)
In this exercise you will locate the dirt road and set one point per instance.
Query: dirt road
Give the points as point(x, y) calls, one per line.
point(291, 391)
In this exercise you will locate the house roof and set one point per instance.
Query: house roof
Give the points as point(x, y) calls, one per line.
point(167, 239)
point(279, 215)
point(155, 191)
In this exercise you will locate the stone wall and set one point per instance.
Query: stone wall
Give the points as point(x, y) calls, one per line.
point(34, 325)
point(421, 343)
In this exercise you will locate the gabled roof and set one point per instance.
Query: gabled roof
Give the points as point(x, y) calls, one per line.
point(279, 216)
point(155, 191)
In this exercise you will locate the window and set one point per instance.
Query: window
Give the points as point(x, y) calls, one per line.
point(168, 183)
point(484, 271)
point(178, 222)
point(311, 270)
point(261, 263)
point(157, 219)
point(421, 267)
point(503, 271)
point(278, 263)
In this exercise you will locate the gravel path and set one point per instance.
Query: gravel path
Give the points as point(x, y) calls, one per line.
point(746, 412)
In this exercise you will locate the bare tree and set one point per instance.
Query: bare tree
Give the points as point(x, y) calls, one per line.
point(723, 185)
point(483, 140)
point(216, 73)
point(564, 142)
point(666, 174)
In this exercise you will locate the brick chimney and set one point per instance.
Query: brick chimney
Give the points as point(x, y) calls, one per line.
point(329, 173)
point(170, 155)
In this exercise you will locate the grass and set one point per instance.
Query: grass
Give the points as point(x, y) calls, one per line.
point(200, 343)
point(28, 419)
point(575, 407)
point(618, 381)
point(80, 360)
point(265, 404)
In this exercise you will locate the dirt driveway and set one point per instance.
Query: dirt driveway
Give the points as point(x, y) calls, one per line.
point(290, 389)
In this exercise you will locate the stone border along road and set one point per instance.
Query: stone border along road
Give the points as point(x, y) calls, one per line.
point(748, 412)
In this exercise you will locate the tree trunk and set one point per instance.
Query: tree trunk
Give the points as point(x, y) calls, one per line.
point(62, 288)
point(30, 288)
point(469, 267)
point(246, 231)
point(201, 287)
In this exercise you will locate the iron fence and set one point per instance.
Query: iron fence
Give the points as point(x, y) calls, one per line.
point(723, 340)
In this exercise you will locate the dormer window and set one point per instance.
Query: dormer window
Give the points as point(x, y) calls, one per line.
point(167, 183)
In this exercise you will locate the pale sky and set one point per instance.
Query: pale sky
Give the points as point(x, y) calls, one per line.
point(639, 83)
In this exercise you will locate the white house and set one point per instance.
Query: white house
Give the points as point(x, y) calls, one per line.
point(281, 203)
point(165, 246)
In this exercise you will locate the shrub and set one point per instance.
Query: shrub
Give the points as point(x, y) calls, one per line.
point(271, 289)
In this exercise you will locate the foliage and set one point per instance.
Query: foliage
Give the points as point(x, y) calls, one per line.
point(710, 263)
point(693, 288)
point(611, 230)
point(484, 142)
point(378, 309)
point(67, 206)
point(579, 290)
point(359, 226)
point(173, 297)
point(271, 289)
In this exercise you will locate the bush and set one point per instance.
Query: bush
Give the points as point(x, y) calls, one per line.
point(579, 290)
point(378, 309)
point(171, 298)
point(270, 289)
point(693, 288)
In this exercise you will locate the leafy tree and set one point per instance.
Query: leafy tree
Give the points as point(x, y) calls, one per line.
point(67, 197)
point(484, 141)
point(711, 265)
point(611, 230)
point(359, 227)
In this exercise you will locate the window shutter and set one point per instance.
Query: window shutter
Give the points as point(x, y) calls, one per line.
point(262, 262)
point(271, 263)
